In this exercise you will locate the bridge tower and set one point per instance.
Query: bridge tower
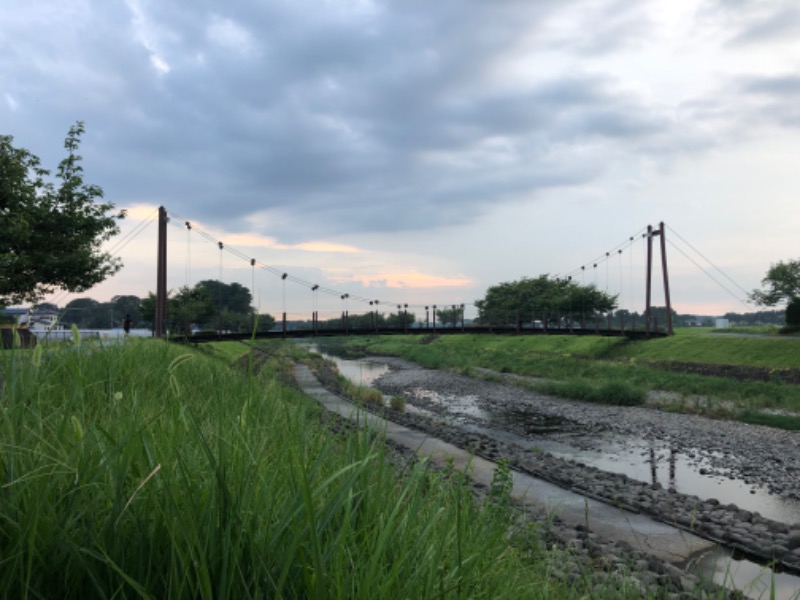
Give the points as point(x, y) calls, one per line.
point(160, 325)
point(651, 233)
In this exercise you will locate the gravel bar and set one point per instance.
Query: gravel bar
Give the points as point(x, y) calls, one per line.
point(760, 455)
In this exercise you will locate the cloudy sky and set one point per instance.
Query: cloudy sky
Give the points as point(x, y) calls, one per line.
point(420, 151)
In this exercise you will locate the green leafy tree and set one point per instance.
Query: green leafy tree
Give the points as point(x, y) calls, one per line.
point(448, 317)
point(793, 315)
point(358, 321)
point(186, 307)
point(47, 306)
point(233, 297)
point(366, 320)
point(232, 305)
point(51, 232)
point(190, 305)
point(147, 309)
point(264, 322)
point(209, 305)
point(782, 284)
point(542, 298)
point(126, 305)
point(403, 319)
point(84, 313)
point(761, 317)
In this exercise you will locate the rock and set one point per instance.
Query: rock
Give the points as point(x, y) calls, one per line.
point(793, 539)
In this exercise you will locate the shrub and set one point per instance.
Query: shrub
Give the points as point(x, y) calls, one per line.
point(617, 393)
point(398, 403)
point(792, 316)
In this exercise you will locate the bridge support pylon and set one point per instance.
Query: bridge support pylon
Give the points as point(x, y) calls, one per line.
point(160, 324)
point(651, 233)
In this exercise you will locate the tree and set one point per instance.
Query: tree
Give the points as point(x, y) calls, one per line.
point(793, 316)
point(210, 305)
point(84, 313)
point(542, 298)
point(264, 321)
point(448, 317)
point(783, 285)
point(761, 317)
point(51, 234)
point(190, 305)
point(233, 297)
point(402, 318)
point(186, 307)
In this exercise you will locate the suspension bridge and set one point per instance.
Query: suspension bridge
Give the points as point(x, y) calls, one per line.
point(371, 316)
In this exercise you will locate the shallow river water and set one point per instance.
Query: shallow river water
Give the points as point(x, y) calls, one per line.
point(685, 470)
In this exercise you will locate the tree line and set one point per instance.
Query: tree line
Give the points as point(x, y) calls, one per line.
point(543, 300)
point(209, 305)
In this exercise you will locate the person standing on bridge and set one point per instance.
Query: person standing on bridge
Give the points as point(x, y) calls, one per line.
point(126, 325)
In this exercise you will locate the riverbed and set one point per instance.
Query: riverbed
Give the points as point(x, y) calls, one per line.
point(733, 483)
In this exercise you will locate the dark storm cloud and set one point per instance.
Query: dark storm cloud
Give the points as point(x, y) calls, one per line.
point(342, 116)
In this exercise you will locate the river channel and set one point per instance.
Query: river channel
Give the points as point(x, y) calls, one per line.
point(693, 471)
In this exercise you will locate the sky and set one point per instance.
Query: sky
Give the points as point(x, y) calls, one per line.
point(419, 152)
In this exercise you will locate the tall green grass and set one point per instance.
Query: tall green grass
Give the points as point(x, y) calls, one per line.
point(146, 470)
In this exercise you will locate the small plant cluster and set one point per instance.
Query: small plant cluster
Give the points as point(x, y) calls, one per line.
point(618, 393)
point(397, 403)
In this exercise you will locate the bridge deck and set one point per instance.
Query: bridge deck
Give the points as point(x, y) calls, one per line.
point(635, 334)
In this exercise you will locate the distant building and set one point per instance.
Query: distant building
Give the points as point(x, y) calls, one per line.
point(40, 320)
point(722, 323)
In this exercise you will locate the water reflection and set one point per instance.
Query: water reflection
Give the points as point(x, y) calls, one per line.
point(654, 467)
point(753, 580)
point(684, 470)
point(361, 371)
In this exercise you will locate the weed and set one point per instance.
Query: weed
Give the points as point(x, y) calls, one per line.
point(398, 403)
point(779, 421)
point(612, 392)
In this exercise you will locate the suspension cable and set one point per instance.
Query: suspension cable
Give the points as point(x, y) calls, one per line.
point(284, 275)
point(745, 304)
point(708, 261)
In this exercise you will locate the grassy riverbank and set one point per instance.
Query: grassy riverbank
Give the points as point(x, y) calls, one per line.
point(696, 371)
point(142, 469)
